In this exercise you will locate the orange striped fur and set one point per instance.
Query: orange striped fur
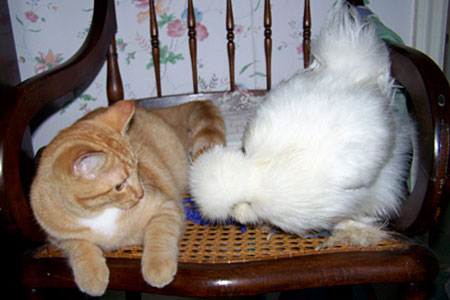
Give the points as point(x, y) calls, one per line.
point(116, 178)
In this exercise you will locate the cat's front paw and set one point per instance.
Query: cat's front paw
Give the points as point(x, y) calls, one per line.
point(91, 276)
point(158, 271)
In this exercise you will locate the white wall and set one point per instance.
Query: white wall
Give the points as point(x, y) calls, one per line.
point(430, 22)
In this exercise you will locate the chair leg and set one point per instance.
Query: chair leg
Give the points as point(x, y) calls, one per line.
point(55, 294)
point(132, 296)
point(34, 294)
point(415, 291)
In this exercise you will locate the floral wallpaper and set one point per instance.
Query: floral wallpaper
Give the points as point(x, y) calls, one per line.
point(48, 32)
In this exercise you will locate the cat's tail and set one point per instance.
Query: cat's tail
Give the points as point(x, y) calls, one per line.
point(206, 126)
point(351, 48)
point(219, 180)
point(198, 123)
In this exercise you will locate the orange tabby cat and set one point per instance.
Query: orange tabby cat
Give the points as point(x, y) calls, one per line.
point(116, 178)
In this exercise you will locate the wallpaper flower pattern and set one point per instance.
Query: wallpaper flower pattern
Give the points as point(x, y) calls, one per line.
point(47, 61)
point(48, 32)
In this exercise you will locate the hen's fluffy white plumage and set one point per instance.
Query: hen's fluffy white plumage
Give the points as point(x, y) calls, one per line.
point(324, 151)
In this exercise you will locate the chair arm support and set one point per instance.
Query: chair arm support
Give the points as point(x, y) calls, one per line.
point(33, 95)
point(429, 93)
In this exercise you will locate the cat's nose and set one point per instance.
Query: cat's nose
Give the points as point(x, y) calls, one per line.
point(139, 191)
point(136, 186)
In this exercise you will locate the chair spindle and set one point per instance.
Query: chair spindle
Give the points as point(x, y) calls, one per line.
point(268, 42)
point(306, 34)
point(114, 86)
point(230, 44)
point(155, 46)
point(192, 44)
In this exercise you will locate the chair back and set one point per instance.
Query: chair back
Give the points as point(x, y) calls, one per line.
point(423, 82)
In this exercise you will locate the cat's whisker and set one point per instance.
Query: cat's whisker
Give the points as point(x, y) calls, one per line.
point(140, 148)
point(127, 211)
point(146, 187)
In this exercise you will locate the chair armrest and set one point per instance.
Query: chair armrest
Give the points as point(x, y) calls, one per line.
point(429, 96)
point(33, 95)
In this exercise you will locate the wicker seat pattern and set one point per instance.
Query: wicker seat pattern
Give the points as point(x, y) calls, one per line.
point(231, 243)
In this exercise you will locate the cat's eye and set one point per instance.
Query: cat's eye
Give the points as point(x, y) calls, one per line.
point(120, 186)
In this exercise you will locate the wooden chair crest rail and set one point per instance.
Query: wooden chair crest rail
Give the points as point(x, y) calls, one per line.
point(218, 261)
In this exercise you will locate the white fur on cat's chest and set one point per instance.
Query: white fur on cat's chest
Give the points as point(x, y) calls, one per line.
point(105, 223)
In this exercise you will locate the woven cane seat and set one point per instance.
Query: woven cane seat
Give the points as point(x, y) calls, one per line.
point(229, 244)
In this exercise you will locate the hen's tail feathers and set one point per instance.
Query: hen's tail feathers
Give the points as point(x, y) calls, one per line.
point(347, 46)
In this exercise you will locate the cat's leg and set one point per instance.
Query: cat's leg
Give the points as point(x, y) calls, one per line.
point(88, 266)
point(360, 232)
point(159, 260)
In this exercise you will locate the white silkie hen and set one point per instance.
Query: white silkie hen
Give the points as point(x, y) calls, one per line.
point(325, 151)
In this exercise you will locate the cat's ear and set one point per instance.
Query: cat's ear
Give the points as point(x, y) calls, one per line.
point(118, 116)
point(88, 165)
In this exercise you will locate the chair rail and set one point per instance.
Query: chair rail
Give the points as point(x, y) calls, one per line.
point(429, 93)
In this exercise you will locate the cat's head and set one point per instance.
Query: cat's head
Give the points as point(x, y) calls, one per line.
point(92, 165)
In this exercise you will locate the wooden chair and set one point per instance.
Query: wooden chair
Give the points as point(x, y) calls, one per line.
point(223, 261)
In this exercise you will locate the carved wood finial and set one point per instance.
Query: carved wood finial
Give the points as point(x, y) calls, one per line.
point(192, 43)
point(114, 86)
point(268, 42)
point(230, 44)
point(155, 46)
point(306, 34)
